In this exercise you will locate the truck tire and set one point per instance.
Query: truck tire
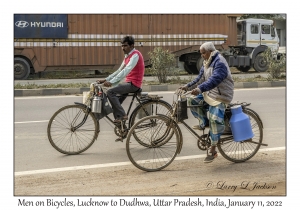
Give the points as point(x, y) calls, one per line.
point(199, 63)
point(191, 69)
point(260, 63)
point(244, 68)
point(21, 69)
point(187, 68)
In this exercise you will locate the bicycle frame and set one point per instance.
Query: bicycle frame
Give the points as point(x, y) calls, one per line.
point(155, 149)
point(122, 127)
point(228, 137)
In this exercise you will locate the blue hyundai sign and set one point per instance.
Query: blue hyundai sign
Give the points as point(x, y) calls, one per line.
point(40, 26)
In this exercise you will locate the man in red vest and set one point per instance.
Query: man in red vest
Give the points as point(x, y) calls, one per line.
point(132, 69)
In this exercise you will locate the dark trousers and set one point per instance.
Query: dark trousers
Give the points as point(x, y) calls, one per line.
point(122, 89)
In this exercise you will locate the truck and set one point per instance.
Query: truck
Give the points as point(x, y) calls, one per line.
point(91, 42)
point(254, 36)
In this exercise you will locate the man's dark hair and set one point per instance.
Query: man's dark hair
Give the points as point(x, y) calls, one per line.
point(128, 39)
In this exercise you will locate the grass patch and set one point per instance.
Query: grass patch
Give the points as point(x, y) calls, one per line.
point(35, 86)
point(69, 74)
point(258, 79)
point(171, 79)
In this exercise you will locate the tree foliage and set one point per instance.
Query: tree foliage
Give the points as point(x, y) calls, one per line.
point(162, 62)
point(276, 66)
point(264, 16)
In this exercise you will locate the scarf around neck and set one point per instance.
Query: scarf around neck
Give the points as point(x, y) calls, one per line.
point(207, 62)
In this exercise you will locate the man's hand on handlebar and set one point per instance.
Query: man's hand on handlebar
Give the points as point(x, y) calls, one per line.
point(100, 81)
point(107, 84)
point(185, 88)
point(104, 82)
point(195, 91)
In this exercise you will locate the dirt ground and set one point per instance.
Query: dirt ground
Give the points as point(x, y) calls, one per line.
point(264, 174)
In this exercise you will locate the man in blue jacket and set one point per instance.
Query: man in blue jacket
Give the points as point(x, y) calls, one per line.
point(214, 86)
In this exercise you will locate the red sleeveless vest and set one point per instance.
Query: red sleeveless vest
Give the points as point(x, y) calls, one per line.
point(136, 75)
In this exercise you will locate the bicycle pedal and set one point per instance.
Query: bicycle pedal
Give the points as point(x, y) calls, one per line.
point(119, 139)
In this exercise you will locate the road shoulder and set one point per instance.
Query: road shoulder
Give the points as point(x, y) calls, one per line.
point(264, 174)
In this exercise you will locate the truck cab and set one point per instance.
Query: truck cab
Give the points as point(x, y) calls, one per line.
point(255, 32)
point(254, 36)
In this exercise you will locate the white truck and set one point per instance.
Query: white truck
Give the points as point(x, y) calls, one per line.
point(254, 36)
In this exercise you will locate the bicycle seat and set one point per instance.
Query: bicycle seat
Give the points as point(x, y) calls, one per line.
point(135, 92)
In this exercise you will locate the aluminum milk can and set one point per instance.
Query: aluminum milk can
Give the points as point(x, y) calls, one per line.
point(97, 104)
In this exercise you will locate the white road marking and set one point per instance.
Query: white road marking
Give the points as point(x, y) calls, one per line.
point(32, 121)
point(39, 97)
point(23, 173)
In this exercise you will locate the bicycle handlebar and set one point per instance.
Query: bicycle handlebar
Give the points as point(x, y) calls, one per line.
point(180, 92)
point(187, 93)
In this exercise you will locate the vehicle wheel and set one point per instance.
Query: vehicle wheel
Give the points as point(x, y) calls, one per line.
point(21, 69)
point(62, 135)
point(241, 151)
point(155, 156)
point(187, 68)
point(260, 63)
point(159, 107)
point(199, 63)
point(244, 68)
point(191, 69)
point(152, 107)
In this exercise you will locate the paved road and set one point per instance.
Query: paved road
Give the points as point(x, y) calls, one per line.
point(104, 170)
point(264, 174)
point(33, 151)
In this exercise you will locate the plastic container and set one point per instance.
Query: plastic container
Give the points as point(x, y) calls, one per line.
point(240, 124)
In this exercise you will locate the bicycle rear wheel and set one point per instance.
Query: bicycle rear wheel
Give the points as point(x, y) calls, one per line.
point(72, 130)
point(159, 107)
point(244, 150)
point(154, 107)
point(153, 154)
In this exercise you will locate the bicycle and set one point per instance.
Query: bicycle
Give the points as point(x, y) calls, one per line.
point(74, 128)
point(162, 152)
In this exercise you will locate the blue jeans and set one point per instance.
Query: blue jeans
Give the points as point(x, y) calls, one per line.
point(122, 89)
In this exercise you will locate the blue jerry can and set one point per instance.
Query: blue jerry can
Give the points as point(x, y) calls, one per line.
point(240, 124)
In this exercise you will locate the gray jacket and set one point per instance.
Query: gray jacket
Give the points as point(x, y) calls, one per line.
point(216, 80)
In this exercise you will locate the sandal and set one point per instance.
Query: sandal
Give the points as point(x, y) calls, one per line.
point(119, 139)
point(210, 157)
point(119, 120)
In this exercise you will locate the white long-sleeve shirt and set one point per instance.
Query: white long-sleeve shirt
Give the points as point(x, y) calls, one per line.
point(116, 77)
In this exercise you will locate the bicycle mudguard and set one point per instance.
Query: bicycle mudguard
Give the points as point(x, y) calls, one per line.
point(255, 113)
point(98, 125)
point(180, 143)
point(180, 138)
point(81, 104)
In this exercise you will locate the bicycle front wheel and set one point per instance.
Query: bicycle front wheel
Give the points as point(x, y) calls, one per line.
point(241, 151)
point(148, 108)
point(72, 129)
point(153, 154)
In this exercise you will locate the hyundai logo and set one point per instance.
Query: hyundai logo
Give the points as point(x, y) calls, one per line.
point(21, 24)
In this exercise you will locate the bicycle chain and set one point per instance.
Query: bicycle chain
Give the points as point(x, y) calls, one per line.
point(204, 142)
